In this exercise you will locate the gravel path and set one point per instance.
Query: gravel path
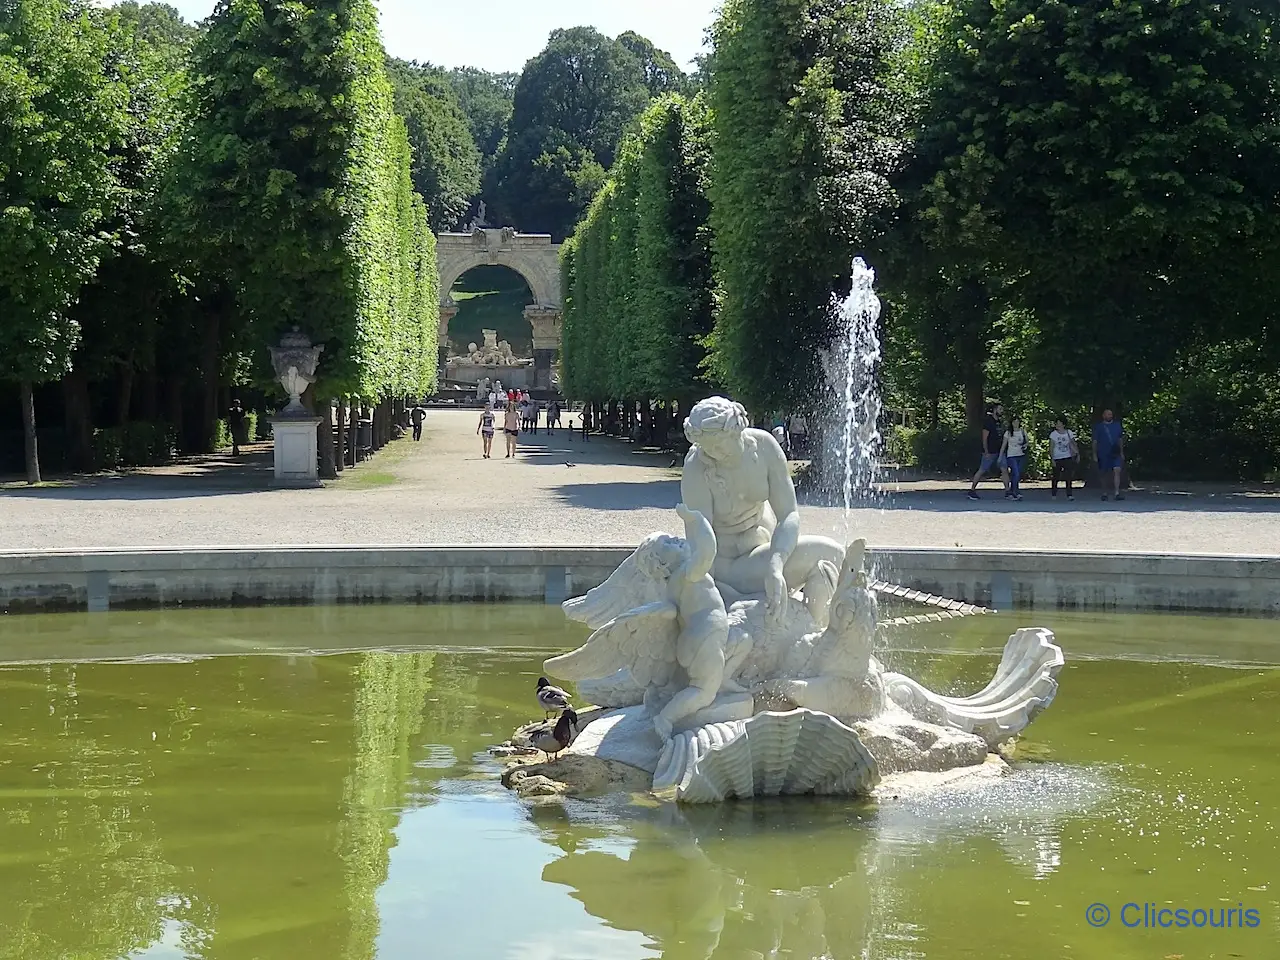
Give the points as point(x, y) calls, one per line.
point(560, 490)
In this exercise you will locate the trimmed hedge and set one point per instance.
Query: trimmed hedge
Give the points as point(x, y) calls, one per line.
point(636, 274)
point(141, 443)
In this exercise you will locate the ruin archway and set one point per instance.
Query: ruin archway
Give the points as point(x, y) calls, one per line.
point(534, 257)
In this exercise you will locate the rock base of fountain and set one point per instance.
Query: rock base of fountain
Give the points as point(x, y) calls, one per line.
point(772, 754)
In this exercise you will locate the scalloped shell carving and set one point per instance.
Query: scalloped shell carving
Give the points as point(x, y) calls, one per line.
point(800, 751)
point(1025, 683)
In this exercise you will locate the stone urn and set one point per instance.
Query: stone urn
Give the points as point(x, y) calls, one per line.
point(293, 429)
point(295, 361)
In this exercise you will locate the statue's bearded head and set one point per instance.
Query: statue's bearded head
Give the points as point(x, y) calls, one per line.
point(715, 427)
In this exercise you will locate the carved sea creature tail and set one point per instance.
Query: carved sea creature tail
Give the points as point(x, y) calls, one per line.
point(1025, 683)
point(796, 752)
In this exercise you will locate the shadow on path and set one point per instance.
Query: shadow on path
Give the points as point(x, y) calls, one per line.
point(1037, 501)
point(213, 474)
point(621, 495)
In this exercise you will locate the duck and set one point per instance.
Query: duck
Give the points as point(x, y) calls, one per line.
point(553, 740)
point(551, 698)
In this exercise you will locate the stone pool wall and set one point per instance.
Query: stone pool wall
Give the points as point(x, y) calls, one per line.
point(217, 576)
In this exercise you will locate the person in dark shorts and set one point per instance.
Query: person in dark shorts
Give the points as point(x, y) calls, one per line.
point(992, 440)
point(553, 415)
point(235, 423)
point(418, 415)
point(1108, 450)
point(511, 425)
point(485, 429)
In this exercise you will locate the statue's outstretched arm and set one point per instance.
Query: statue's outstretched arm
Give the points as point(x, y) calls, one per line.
point(782, 499)
point(702, 543)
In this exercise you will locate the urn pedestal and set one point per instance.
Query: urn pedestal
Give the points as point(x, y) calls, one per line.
point(296, 451)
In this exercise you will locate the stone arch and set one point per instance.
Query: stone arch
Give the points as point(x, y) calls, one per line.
point(533, 256)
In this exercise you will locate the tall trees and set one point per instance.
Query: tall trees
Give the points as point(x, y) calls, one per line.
point(446, 161)
point(572, 103)
point(120, 309)
point(298, 176)
point(805, 142)
point(485, 99)
point(1103, 155)
point(674, 286)
point(637, 271)
point(61, 113)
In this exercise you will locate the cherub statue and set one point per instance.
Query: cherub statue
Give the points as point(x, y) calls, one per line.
point(660, 617)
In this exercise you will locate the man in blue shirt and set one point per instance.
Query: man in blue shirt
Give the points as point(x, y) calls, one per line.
point(1108, 449)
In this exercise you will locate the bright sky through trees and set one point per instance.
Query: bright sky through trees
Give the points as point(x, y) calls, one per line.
point(503, 34)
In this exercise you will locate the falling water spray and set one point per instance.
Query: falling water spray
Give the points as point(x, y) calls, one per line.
point(852, 370)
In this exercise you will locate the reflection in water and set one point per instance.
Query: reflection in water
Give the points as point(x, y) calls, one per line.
point(194, 809)
point(794, 877)
point(256, 807)
point(390, 689)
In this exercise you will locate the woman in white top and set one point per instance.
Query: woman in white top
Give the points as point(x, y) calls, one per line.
point(1014, 450)
point(1064, 453)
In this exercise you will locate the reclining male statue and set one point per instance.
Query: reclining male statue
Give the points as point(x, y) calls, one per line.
point(737, 477)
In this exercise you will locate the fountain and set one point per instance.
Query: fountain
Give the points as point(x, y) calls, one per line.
point(737, 660)
point(852, 366)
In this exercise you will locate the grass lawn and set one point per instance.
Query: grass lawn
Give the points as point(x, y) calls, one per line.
point(491, 298)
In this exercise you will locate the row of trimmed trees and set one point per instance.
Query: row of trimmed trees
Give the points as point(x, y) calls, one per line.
point(174, 200)
point(730, 219)
point(1069, 206)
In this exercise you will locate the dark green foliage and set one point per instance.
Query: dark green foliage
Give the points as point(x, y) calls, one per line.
point(1216, 416)
point(446, 162)
point(572, 104)
point(1097, 154)
point(485, 99)
point(298, 190)
point(805, 141)
point(62, 115)
point(542, 181)
point(135, 444)
point(661, 75)
point(120, 310)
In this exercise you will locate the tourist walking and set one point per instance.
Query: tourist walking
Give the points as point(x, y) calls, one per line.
point(235, 423)
point(797, 434)
point(417, 415)
point(511, 426)
point(553, 415)
point(992, 442)
point(1108, 450)
point(485, 429)
point(1064, 452)
point(1014, 450)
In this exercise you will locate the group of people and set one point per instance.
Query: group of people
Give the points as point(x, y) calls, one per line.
point(520, 412)
point(1007, 446)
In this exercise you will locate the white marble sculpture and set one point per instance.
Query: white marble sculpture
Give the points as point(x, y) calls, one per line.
point(737, 660)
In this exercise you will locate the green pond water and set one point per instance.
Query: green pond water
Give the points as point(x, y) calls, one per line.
point(264, 784)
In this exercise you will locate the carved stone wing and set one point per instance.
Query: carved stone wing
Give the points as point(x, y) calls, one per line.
point(627, 588)
point(642, 639)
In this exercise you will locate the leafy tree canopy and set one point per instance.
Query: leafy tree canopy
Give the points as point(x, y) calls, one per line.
point(572, 104)
point(446, 162)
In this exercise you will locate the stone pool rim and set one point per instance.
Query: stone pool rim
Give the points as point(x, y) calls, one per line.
point(251, 575)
